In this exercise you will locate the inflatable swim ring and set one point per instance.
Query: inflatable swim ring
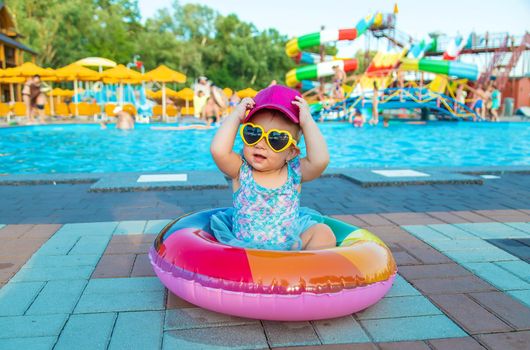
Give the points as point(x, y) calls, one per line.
point(272, 285)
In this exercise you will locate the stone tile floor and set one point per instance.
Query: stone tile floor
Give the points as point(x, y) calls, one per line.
point(88, 284)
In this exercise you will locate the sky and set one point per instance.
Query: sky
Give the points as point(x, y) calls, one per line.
point(416, 17)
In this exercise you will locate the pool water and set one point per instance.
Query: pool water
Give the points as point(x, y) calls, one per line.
point(87, 148)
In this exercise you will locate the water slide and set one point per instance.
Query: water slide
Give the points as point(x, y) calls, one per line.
point(320, 69)
point(455, 46)
point(450, 68)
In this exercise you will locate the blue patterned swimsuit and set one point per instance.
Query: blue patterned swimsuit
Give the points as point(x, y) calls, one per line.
point(264, 218)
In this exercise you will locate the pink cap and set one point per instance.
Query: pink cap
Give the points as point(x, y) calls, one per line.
point(277, 97)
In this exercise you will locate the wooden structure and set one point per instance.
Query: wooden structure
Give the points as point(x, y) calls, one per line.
point(11, 50)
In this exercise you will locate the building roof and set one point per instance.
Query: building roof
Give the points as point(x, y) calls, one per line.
point(7, 40)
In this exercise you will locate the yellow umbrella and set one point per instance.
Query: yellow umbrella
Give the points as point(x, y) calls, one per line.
point(228, 92)
point(26, 69)
point(186, 94)
point(164, 74)
point(248, 92)
point(74, 72)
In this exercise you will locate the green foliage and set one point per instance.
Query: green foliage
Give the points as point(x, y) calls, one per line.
point(190, 38)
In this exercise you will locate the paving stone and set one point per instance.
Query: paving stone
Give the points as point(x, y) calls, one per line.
point(128, 248)
point(428, 255)
point(58, 245)
point(354, 346)
point(20, 248)
point(518, 268)
point(522, 226)
point(52, 274)
point(112, 266)
point(505, 307)
point(123, 285)
point(90, 245)
point(403, 258)
point(411, 218)
point(453, 232)
point(433, 271)
point(174, 302)
point(513, 246)
point(469, 314)
point(471, 216)
point(290, 333)
point(426, 233)
point(447, 217)
point(405, 345)
point(57, 297)
point(133, 239)
point(142, 266)
point(452, 285)
point(374, 219)
point(412, 328)
point(462, 245)
point(15, 298)
point(38, 260)
point(521, 295)
point(217, 338)
point(392, 234)
point(155, 226)
point(34, 343)
point(31, 326)
point(400, 288)
point(138, 330)
point(340, 330)
point(132, 301)
point(91, 331)
point(497, 276)
point(14, 231)
point(90, 228)
point(504, 215)
point(467, 343)
point(41, 231)
point(393, 307)
point(492, 230)
point(130, 227)
point(506, 341)
point(188, 318)
point(483, 255)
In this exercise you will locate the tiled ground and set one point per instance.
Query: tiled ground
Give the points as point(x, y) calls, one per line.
point(86, 282)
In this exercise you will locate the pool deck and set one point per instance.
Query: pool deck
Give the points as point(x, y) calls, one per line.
point(74, 272)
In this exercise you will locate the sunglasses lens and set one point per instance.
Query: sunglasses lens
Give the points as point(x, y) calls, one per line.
point(278, 140)
point(251, 134)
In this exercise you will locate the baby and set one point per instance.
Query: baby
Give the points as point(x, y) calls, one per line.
point(267, 176)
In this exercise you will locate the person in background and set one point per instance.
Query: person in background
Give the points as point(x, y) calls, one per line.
point(199, 101)
point(495, 104)
point(34, 99)
point(202, 85)
point(375, 106)
point(338, 79)
point(124, 120)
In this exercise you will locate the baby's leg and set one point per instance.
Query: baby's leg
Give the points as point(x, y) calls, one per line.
point(318, 236)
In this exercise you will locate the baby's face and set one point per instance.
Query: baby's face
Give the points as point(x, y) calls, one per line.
point(260, 156)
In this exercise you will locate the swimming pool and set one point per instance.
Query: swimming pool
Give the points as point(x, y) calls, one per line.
point(87, 148)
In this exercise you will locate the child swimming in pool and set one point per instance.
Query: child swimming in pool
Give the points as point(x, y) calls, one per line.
point(267, 175)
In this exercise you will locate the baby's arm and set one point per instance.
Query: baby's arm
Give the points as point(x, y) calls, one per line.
point(222, 144)
point(317, 158)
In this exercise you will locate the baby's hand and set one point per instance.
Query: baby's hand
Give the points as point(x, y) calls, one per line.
point(245, 104)
point(305, 113)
